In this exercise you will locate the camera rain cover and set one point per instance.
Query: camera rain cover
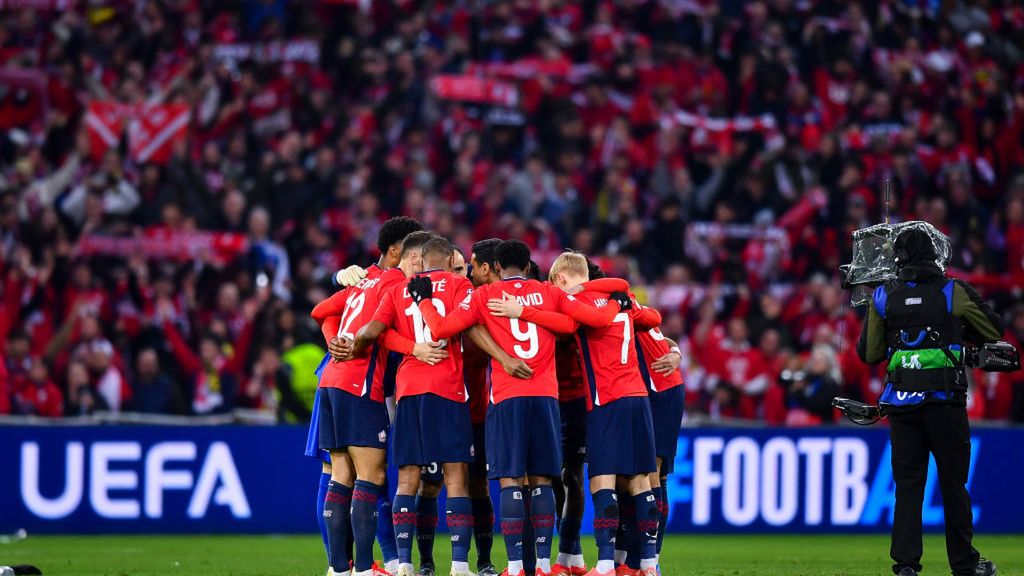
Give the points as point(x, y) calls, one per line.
point(874, 261)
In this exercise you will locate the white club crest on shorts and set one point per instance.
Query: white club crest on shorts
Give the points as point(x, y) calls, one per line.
point(472, 450)
point(382, 436)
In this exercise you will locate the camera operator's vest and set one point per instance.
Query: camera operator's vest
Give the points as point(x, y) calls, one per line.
point(925, 340)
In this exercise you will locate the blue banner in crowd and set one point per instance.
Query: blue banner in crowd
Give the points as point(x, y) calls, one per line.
point(256, 480)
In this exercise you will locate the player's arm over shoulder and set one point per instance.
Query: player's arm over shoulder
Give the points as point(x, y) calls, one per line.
point(554, 321)
point(383, 318)
point(644, 318)
point(582, 312)
point(333, 305)
point(608, 285)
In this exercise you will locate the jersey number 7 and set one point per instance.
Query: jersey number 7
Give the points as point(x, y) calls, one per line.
point(626, 335)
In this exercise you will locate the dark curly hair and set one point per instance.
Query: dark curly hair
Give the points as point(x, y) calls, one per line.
point(513, 254)
point(395, 230)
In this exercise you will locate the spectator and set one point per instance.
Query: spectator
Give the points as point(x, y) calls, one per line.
point(108, 380)
point(267, 259)
point(103, 195)
point(809, 397)
point(298, 392)
point(83, 400)
point(737, 367)
point(152, 390)
point(18, 361)
point(38, 395)
point(213, 387)
point(269, 376)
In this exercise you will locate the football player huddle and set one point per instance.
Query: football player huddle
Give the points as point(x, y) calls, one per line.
point(459, 372)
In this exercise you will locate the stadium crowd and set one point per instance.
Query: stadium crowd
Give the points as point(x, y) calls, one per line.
point(717, 154)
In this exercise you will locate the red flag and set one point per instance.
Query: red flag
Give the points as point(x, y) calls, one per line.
point(104, 120)
point(472, 89)
point(157, 243)
point(155, 130)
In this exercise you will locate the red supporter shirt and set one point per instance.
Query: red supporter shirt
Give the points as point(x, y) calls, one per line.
point(519, 337)
point(609, 356)
point(571, 385)
point(997, 390)
point(398, 310)
point(44, 399)
point(475, 363)
point(652, 345)
point(365, 375)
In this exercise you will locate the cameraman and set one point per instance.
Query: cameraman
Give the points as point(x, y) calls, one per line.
point(919, 323)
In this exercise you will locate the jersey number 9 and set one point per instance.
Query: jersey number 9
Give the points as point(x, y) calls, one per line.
point(529, 335)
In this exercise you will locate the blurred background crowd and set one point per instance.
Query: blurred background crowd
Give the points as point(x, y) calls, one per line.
point(179, 178)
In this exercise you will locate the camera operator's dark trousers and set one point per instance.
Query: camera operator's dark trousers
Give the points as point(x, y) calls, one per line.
point(942, 430)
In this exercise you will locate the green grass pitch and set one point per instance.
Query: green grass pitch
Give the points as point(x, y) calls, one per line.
point(782, 555)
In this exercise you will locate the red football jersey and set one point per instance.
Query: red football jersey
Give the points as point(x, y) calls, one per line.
point(609, 356)
point(365, 375)
point(518, 338)
point(475, 365)
point(651, 345)
point(571, 384)
point(398, 310)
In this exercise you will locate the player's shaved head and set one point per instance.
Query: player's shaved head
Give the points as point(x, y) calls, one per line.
point(512, 255)
point(437, 252)
point(414, 241)
point(569, 269)
point(410, 257)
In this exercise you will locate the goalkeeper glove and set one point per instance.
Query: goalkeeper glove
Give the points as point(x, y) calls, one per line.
point(350, 276)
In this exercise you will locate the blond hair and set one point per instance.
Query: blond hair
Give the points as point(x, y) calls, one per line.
point(569, 263)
